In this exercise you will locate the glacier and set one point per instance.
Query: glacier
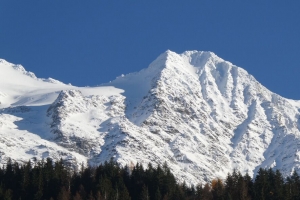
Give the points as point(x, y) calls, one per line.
point(200, 114)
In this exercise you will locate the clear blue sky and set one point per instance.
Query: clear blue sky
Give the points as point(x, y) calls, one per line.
point(91, 42)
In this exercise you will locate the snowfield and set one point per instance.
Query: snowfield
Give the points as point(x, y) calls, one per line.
point(202, 115)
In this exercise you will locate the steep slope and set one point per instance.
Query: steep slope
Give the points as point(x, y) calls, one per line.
point(200, 114)
point(214, 117)
point(26, 130)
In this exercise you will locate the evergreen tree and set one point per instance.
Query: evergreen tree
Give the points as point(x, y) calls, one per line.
point(105, 187)
point(230, 186)
point(178, 193)
point(17, 188)
point(91, 196)
point(48, 180)
point(277, 186)
point(249, 185)
point(157, 195)
point(87, 179)
point(242, 187)
point(123, 193)
point(27, 188)
point(9, 173)
point(64, 194)
point(82, 192)
point(144, 193)
point(199, 191)
point(168, 180)
point(77, 196)
point(217, 189)
point(295, 186)
point(38, 177)
point(8, 194)
point(206, 192)
point(288, 188)
point(262, 185)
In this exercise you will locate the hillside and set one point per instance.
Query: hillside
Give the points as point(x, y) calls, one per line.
point(201, 114)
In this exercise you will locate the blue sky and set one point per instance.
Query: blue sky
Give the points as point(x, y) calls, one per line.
point(87, 43)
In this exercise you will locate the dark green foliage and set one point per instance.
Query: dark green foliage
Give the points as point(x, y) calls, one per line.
point(48, 180)
point(157, 195)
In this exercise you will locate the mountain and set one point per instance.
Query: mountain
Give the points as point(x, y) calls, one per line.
point(201, 114)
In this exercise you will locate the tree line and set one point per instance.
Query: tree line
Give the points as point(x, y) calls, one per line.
point(54, 180)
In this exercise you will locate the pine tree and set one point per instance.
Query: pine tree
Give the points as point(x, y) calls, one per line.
point(123, 193)
point(157, 195)
point(144, 193)
point(98, 196)
point(87, 180)
point(8, 176)
point(137, 181)
point(206, 192)
point(242, 188)
point(39, 181)
point(26, 182)
point(249, 185)
point(82, 192)
point(199, 191)
point(168, 180)
point(8, 194)
point(18, 176)
point(48, 178)
point(110, 181)
point(295, 185)
point(64, 194)
point(105, 187)
point(278, 185)
point(217, 189)
point(91, 196)
point(230, 186)
point(178, 193)
point(261, 184)
point(77, 196)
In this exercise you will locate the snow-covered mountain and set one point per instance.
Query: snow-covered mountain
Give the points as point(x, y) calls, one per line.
point(202, 115)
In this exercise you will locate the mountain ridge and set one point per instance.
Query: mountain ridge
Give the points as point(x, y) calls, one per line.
point(201, 114)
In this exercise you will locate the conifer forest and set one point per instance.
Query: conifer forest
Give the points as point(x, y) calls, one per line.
point(49, 180)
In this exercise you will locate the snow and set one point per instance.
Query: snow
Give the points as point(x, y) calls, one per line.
point(19, 87)
point(201, 114)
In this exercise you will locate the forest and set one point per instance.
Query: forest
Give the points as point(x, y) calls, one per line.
point(55, 180)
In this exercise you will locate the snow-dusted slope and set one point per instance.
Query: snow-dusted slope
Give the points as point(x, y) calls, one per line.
point(25, 126)
point(200, 114)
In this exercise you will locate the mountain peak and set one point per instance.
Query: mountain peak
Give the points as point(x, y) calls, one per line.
point(3, 61)
point(8, 69)
point(197, 112)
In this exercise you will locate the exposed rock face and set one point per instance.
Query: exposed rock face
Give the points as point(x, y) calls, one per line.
point(76, 118)
point(200, 114)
